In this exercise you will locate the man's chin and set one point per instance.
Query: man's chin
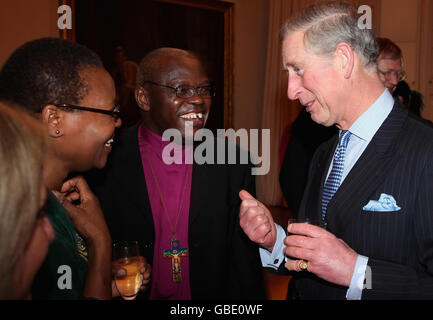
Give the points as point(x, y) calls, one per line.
point(100, 164)
point(316, 118)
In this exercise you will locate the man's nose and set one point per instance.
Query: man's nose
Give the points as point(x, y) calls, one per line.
point(394, 80)
point(293, 87)
point(196, 99)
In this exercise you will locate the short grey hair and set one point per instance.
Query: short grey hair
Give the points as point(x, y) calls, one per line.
point(328, 23)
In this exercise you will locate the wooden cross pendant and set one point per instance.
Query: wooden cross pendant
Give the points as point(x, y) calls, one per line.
point(175, 253)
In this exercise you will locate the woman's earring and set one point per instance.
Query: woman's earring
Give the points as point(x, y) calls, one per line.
point(57, 131)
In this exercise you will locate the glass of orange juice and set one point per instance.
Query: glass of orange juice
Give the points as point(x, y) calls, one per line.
point(126, 256)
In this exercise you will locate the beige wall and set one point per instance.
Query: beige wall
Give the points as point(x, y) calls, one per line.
point(24, 20)
point(399, 22)
point(250, 41)
point(426, 59)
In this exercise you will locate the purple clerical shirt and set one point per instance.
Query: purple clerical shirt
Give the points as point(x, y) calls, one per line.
point(171, 179)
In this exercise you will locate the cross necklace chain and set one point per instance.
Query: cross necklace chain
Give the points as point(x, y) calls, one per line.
point(175, 252)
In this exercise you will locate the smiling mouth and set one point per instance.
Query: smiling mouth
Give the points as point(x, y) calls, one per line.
point(308, 105)
point(192, 116)
point(109, 142)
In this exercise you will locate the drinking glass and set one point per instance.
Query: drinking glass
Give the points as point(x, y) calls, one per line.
point(126, 256)
point(317, 222)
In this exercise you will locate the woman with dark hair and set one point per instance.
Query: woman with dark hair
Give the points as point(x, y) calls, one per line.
point(67, 86)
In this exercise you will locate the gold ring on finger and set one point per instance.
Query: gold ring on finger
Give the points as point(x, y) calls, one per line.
point(303, 265)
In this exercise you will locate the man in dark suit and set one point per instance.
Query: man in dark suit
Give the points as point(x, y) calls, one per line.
point(184, 215)
point(372, 183)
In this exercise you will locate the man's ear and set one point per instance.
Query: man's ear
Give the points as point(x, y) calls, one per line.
point(346, 59)
point(142, 98)
point(53, 120)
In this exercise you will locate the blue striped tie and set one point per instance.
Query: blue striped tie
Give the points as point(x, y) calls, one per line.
point(334, 179)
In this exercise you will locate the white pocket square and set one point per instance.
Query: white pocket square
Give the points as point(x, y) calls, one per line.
point(386, 202)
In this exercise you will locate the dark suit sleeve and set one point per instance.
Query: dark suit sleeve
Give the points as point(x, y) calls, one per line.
point(245, 274)
point(397, 281)
point(99, 181)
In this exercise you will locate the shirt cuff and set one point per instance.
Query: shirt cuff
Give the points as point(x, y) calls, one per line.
point(273, 259)
point(357, 282)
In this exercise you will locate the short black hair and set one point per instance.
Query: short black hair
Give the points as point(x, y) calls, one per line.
point(151, 62)
point(46, 71)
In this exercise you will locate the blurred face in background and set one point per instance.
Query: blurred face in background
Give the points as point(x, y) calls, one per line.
point(390, 72)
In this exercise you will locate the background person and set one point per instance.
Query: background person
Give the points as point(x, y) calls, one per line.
point(411, 99)
point(390, 64)
point(25, 231)
point(124, 75)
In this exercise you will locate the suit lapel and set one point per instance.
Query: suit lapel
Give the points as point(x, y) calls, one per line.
point(134, 175)
point(203, 175)
point(206, 181)
point(371, 168)
point(196, 195)
point(319, 171)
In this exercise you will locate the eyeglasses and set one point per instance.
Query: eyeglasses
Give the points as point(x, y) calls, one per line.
point(400, 75)
point(115, 113)
point(186, 92)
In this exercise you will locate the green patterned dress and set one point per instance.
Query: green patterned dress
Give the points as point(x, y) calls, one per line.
point(63, 274)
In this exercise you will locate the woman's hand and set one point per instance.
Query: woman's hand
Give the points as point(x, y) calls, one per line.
point(145, 270)
point(87, 214)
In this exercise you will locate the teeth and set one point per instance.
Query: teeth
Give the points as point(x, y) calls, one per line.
point(192, 115)
point(109, 142)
